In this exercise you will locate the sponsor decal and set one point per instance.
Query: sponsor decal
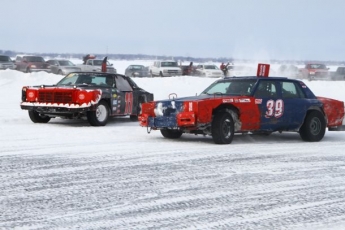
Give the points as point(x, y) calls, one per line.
point(244, 100)
point(190, 106)
point(114, 95)
point(114, 102)
point(228, 100)
point(258, 101)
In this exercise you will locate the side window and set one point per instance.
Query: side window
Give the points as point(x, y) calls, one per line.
point(289, 90)
point(18, 58)
point(122, 84)
point(266, 89)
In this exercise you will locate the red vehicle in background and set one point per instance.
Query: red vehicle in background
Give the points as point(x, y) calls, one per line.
point(315, 71)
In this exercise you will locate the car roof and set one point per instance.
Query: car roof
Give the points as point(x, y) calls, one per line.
point(255, 77)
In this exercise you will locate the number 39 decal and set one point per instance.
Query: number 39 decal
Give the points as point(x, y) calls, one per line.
point(274, 108)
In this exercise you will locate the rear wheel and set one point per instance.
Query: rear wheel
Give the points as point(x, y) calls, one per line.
point(222, 128)
point(100, 116)
point(37, 117)
point(314, 127)
point(171, 133)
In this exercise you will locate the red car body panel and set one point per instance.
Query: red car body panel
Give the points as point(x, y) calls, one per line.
point(334, 116)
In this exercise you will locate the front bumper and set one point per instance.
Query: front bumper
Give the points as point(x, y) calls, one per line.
point(183, 119)
point(38, 70)
point(56, 109)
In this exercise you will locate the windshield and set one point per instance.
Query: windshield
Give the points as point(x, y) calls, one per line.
point(99, 62)
point(318, 66)
point(66, 63)
point(169, 64)
point(233, 87)
point(211, 67)
point(86, 79)
point(34, 59)
point(138, 67)
point(5, 58)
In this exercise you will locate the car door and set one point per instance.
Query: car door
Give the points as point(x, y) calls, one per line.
point(295, 104)
point(122, 97)
point(271, 107)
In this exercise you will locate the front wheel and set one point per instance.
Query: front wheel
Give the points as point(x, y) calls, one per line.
point(100, 116)
point(60, 72)
point(222, 128)
point(314, 127)
point(28, 70)
point(37, 117)
point(171, 133)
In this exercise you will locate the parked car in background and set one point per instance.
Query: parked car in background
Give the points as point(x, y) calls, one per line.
point(62, 66)
point(6, 62)
point(315, 71)
point(208, 70)
point(95, 65)
point(137, 71)
point(165, 69)
point(339, 74)
point(31, 63)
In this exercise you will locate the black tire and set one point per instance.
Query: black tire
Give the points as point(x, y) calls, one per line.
point(28, 70)
point(171, 133)
point(222, 128)
point(161, 74)
point(60, 72)
point(100, 116)
point(38, 118)
point(314, 127)
point(151, 74)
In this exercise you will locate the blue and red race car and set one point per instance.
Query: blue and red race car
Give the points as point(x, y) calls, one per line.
point(246, 104)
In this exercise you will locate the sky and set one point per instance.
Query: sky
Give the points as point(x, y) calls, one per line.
point(297, 30)
point(67, 174)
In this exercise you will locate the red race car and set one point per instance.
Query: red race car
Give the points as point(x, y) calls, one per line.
point(246, 104)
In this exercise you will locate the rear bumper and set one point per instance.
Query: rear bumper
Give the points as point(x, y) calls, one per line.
point(337, 128)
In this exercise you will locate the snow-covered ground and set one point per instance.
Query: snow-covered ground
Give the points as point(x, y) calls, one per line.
point(68, 175)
